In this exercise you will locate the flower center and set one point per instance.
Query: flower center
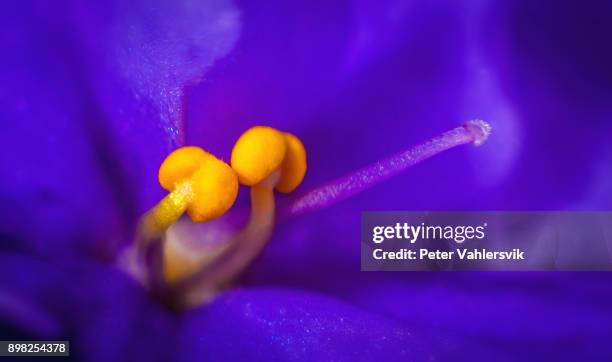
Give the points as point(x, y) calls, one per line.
point(205, 188)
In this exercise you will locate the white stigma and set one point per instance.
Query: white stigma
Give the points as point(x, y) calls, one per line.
point(479, 129)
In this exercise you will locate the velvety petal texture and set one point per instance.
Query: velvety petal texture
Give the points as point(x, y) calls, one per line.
point(289, 325)
point(549, 146)
point(105, 314)
point(94, 95)
point(55, 193)
point(92, 102)
point(143, 58)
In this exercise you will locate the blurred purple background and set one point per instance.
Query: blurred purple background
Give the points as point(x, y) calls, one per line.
point(95, 95)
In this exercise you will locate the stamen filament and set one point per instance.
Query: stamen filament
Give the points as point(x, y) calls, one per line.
point(254, 237)
point(157, 220)
point(474, 131)
point(240, 252)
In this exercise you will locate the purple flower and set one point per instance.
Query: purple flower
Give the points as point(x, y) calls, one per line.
point(94, 96)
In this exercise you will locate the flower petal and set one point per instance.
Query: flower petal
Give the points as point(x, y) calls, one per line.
point(54, 188)
point(277, 324)
point(142, 58)
point(92, 102)
point(105, 315)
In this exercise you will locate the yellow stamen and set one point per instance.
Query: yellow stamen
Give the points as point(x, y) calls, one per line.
point(264, 159)
point(237, 254)
point(199, 184)
point(293, 168)
point(260, 151)
point(257, 153)
point(215, 187)
point(167, 211)
point(255, 158)
point(180, 165)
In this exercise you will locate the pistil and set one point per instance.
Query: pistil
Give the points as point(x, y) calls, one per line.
point(474, 131)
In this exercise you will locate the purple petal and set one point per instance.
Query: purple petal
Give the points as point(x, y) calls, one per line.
point(55, 189)
point(277, 324)
point(92, 102)
point(450, 62)
point(519, 315)
point(360, 82)
point(143, 58)
point(105, 315)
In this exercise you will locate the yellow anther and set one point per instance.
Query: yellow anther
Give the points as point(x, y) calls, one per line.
point(180, 165)
point(293, 167)
point(215, 187)
point(257, 154)
point(263, 158)
point(261, 151)
point(214, 184)
point(199, 183)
